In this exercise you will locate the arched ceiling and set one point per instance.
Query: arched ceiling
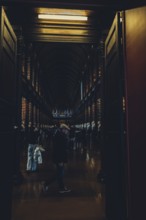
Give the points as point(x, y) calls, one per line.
point(62, 46)
point(62, 70)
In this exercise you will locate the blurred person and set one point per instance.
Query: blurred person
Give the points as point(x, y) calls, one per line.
point(60, 158)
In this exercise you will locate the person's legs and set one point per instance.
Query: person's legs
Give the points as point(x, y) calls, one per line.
point(60, 178)
point(60, 175)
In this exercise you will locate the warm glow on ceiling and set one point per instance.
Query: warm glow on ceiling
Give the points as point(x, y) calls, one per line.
point(63, 17)
point(63, 25)
point(62, 11)
point(63, 31)
point(63, 14)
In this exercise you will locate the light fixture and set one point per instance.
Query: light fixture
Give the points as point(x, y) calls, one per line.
point(63, 17)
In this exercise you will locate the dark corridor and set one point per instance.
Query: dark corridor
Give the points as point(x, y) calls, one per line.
point(89, 73)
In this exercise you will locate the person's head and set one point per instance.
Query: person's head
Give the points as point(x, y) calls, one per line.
point(65, 128)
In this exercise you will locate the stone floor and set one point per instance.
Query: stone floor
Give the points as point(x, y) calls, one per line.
point(38, 198)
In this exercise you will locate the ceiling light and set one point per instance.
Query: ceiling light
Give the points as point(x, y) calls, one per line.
point(63, 17)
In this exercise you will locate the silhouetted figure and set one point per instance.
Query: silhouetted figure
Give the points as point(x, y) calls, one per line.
point(60, 143)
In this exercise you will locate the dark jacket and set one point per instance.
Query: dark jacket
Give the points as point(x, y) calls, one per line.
point(59, 147)
point(32, 137)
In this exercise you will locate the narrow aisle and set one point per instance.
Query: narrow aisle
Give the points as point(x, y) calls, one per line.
point(33, 201)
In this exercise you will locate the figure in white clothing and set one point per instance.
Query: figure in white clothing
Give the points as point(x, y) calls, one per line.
point(31, 163)
point(38, 155)
point(32, 144)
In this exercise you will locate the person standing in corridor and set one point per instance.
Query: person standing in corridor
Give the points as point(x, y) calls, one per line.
point(60, 158)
